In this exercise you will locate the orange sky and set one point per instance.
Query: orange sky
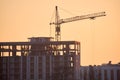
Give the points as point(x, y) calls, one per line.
point(100, 38)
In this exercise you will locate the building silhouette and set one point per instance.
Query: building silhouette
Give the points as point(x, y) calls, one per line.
point(101, 72)
point(40, 59)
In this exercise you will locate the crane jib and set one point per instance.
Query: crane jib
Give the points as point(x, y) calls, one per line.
point(89, 16)
point(59, 21)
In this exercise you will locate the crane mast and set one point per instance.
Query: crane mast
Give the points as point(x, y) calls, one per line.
point(59, 21)
point(57, 26)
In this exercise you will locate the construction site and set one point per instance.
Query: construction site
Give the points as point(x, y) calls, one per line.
point(42, 58)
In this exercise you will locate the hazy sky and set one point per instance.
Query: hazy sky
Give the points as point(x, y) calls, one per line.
point(100, 38)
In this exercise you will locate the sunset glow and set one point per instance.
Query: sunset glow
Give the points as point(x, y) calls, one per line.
point(100, 38)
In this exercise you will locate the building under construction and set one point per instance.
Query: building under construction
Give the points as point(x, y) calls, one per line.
point(40, 58)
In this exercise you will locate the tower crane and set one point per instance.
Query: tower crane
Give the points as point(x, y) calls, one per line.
point(59, 21)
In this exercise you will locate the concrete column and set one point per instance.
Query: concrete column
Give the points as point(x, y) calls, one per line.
point(43, 67)
point(67, 48)
point(13, 64)
point(9, 50)
point(28, 68)
point(14, 50)
point(82, 74)
point(87, 74)
point(21, 68)
point(8, 67)
point(102, 75)
point(50, 67)
point(0, 51)
point(115, 74)
point(35, 67)
point(108, 73)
